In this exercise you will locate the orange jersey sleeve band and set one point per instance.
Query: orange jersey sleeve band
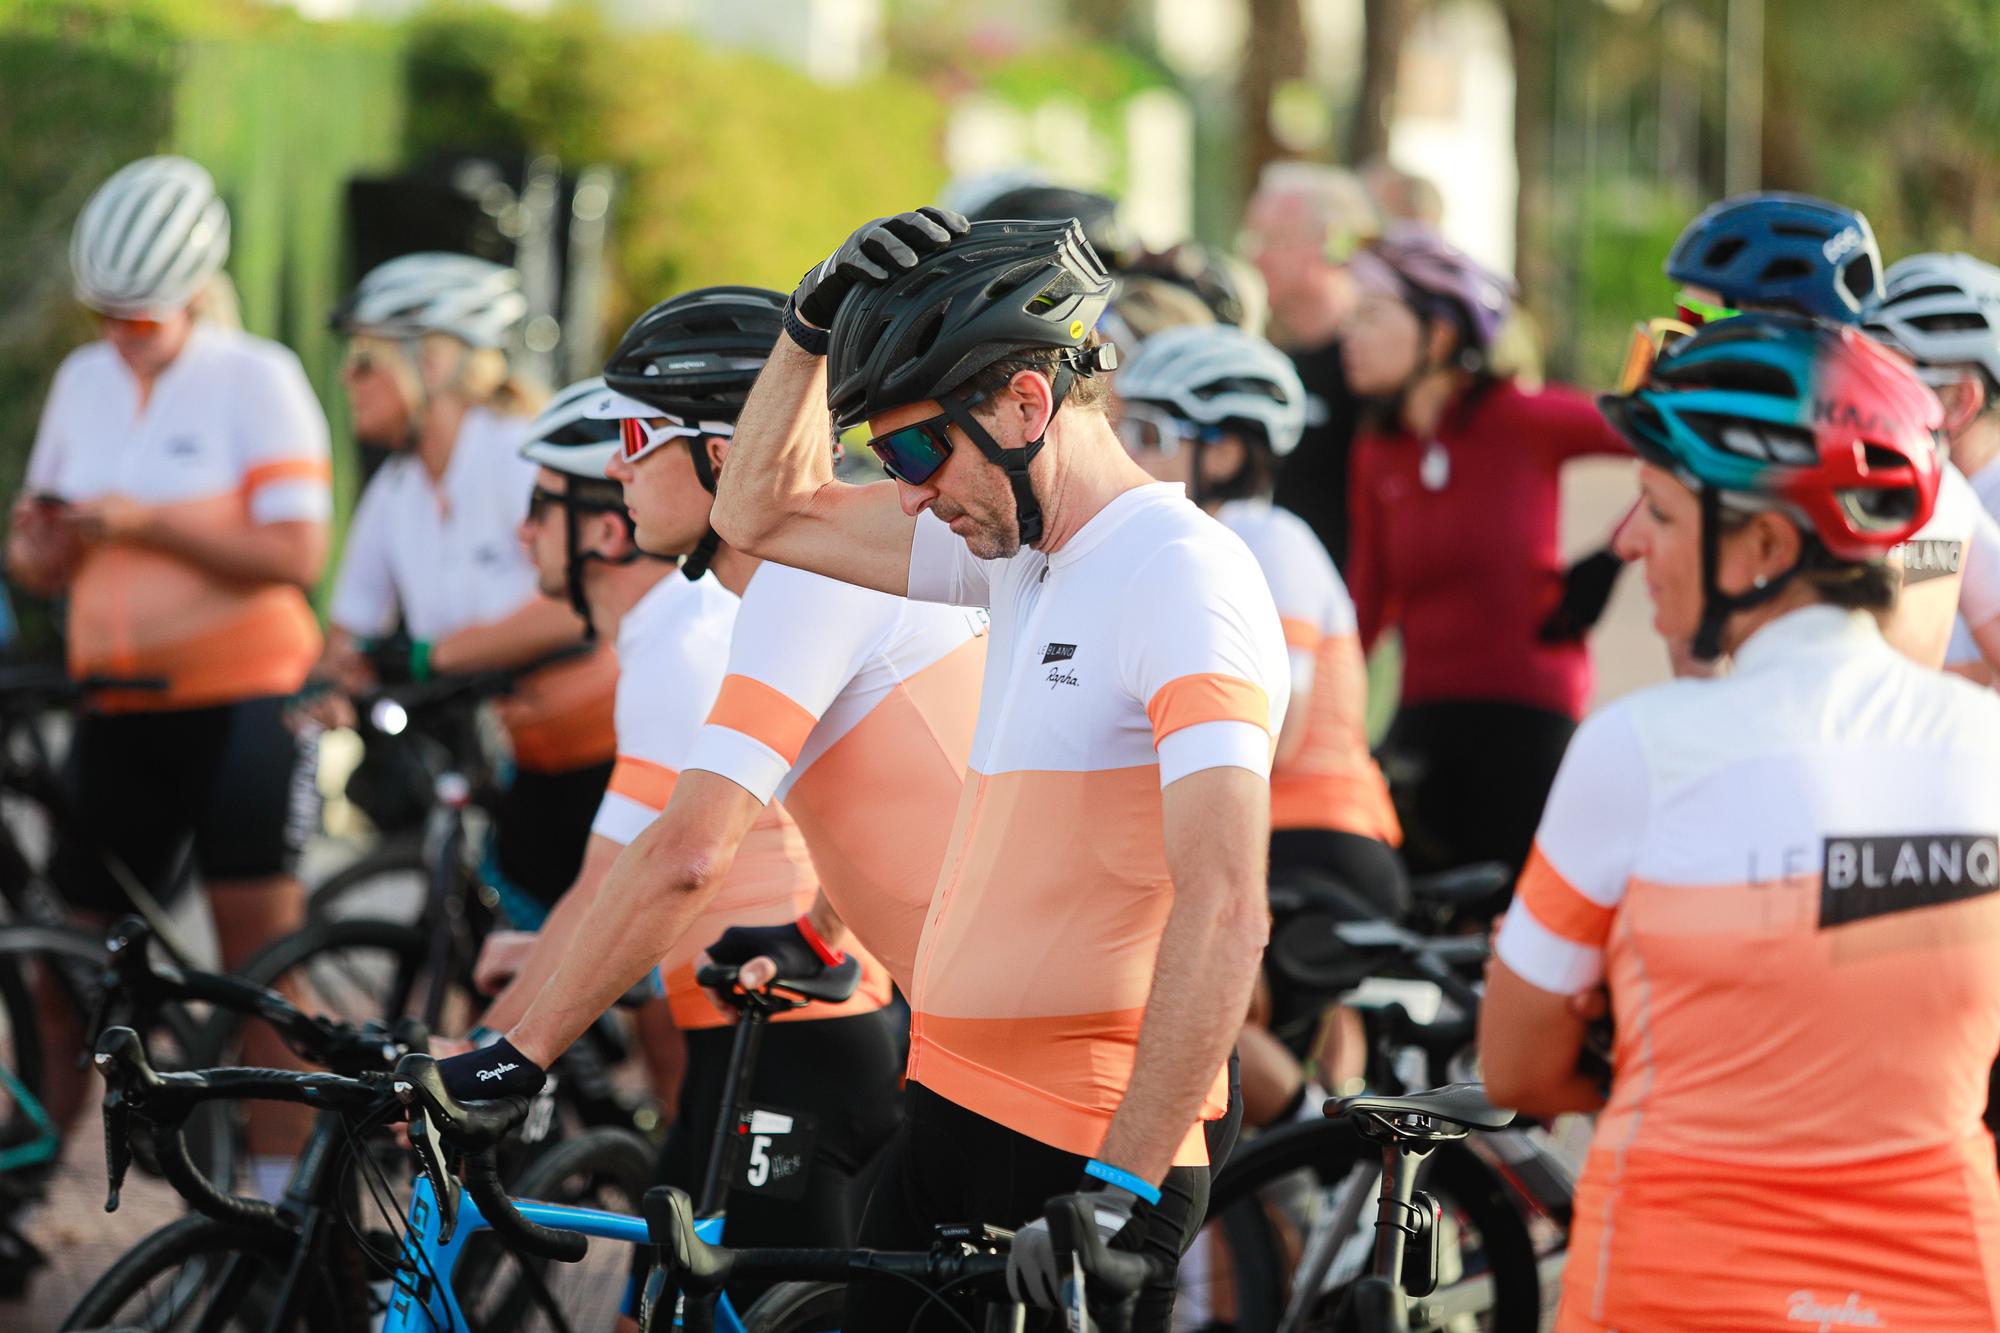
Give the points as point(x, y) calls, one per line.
point(763, 714)
point(1189, 701)
point(288, 469)
point(1560, 906)
point(650, 784)
point(1302, 635)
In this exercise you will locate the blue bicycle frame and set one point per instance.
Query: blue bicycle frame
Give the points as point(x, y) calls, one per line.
point(423, 1305)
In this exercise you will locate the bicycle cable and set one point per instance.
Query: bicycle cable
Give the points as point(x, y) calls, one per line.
point(356, 1159)
point(932, 1295)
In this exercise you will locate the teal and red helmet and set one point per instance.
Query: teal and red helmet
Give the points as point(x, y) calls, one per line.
point(1808, 416)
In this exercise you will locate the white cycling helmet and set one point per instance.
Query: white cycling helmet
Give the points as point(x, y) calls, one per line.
point(150, 238)
point(1215, 373)
point(1943, 312)
point(568, 438)
point(476, 301)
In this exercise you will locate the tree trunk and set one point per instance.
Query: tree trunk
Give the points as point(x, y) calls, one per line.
point(1387, 26)
point(1274, 54)
point(1534, 203)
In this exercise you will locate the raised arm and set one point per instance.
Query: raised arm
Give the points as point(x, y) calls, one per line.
point(777, 499)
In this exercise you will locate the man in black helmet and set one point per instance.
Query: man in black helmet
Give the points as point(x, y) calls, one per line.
point(1095, 932)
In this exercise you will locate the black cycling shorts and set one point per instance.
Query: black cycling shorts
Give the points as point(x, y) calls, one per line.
point(541, 824)
point(1366, 867)
point(231, 781)
point(839, 1072)
point(952, 1165)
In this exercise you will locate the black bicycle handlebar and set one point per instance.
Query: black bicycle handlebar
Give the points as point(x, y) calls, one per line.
point(45, 684)
point(440, 1122)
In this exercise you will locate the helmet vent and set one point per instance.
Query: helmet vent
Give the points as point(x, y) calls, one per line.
point(1963, 322)
point(1859, 277)
point(1723, 251)
point(1765, 441)
point(1785, 269)
point(1802, 230)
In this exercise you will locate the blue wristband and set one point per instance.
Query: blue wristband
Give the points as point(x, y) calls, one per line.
point(1124, 1180)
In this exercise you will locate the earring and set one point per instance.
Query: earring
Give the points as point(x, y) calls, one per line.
point(1759, 581)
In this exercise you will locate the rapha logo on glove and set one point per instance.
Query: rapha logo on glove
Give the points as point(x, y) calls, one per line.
point(495, 1072)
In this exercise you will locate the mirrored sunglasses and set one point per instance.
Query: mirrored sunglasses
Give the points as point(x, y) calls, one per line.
point(638, 437)
point(1649, 340)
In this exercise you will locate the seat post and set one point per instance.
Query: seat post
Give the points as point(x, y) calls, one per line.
point(1399, 1184)
point(743, 1050)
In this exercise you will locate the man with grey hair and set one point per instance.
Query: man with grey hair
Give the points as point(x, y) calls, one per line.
point(1302, 223)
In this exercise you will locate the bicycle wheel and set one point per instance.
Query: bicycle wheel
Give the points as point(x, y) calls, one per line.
point(1301, 1200)
point(390, 882)
point(606, 1169)
point(75, 961)
point(197, 1273)
point(798, 1307)
point(21, 1052)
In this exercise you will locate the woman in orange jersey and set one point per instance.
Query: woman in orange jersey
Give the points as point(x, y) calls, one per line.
point(178, 496)
point(1787, 877)
point(433, 551)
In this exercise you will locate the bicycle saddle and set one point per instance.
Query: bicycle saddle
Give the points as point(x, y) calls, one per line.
point(690, 1263)
point(1460, 1104)
point(1463, 886)
point(829, 987)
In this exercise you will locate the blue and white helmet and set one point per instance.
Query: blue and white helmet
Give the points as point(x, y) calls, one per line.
point(1215, 373)
point(150, 238)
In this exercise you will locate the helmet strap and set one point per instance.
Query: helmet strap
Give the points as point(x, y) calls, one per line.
point(575, 558)
point(1716, 605)
point(1014, 462)
point(699, 559)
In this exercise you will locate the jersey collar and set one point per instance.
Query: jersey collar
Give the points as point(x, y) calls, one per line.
point(1114, 516)
point(1818, 631)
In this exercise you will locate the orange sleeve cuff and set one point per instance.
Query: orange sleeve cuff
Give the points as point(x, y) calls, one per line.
point(764, 715)
point(1560, 906)
point(1191, 700)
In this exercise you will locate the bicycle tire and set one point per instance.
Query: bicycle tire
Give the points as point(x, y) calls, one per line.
point(211, 1143)
point(24, 1040)
point(198, 1249)
point(398, 856)
point(609, 1169)
point(798, 1307)
point(1466, 1185)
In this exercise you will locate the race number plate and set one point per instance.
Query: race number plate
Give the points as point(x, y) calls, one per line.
point(774, 1152)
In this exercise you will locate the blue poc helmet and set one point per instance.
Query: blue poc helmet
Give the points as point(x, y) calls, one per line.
point(1773, 250)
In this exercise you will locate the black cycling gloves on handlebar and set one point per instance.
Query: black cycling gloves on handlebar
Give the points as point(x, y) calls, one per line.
point(495, 1071)
point(795, 947)
point(1035, 1272)
point(876, 252)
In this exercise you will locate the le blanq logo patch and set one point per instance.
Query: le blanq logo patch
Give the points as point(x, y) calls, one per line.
point(1869, 877)
point(1057, 652)
point(1928, 558)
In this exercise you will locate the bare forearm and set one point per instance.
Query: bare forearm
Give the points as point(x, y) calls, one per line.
point(1202, 981)
point(781, 454)
point(552, 945)
point(255, 552)
point(644, 907)
point(540, 627)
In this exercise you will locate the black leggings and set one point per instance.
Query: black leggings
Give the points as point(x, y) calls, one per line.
point(1481, 774)
point(952, 1165)
point(842, 1073)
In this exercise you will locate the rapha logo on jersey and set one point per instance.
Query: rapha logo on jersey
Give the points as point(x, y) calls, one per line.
point(1862, 878)
point(1057, 652)
point(1803, 1307)
point(1927, 558)
point(488, 1075)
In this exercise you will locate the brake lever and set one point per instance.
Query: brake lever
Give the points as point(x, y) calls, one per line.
point(430, 1152)
point(117, 1146)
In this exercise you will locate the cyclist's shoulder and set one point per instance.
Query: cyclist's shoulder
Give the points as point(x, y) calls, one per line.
point(1275, 534)
point(83, 367)
point(235, 350)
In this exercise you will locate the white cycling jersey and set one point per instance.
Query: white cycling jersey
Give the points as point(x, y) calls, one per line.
point(1146, 649)
point(1964, 651)
point(855, 709)
point(1951, 570)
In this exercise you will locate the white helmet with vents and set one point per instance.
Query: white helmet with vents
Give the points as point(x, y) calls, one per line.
point(1943, 312)
point(150, 238)
point(1215, 373)
point(473, 300)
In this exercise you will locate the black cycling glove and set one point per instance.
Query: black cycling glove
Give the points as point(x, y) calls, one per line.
point(1587, 586)
point(492, 1072)
point(876, 252)
point(798, 957)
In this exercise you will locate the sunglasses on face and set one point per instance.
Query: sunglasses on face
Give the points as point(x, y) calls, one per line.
point(1143, 428)
point(130, 326)
point(1649, 341)
point(638, 437)
point(539, 501)
point(912, 454)
point(1696, 312)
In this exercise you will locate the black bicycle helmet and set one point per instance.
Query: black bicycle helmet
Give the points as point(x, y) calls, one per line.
point(695, 356)
point(1098, 213)
point(1001, 288)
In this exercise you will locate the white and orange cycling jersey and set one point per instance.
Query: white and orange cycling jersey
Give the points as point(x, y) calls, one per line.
point(231, 434)
point(1951, 571)
point(1144, 650)
point(443, 555)
point(673, 647)
point(855, 709)
point(1331, 781)
point(1964, 651)
point(1790, 879)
